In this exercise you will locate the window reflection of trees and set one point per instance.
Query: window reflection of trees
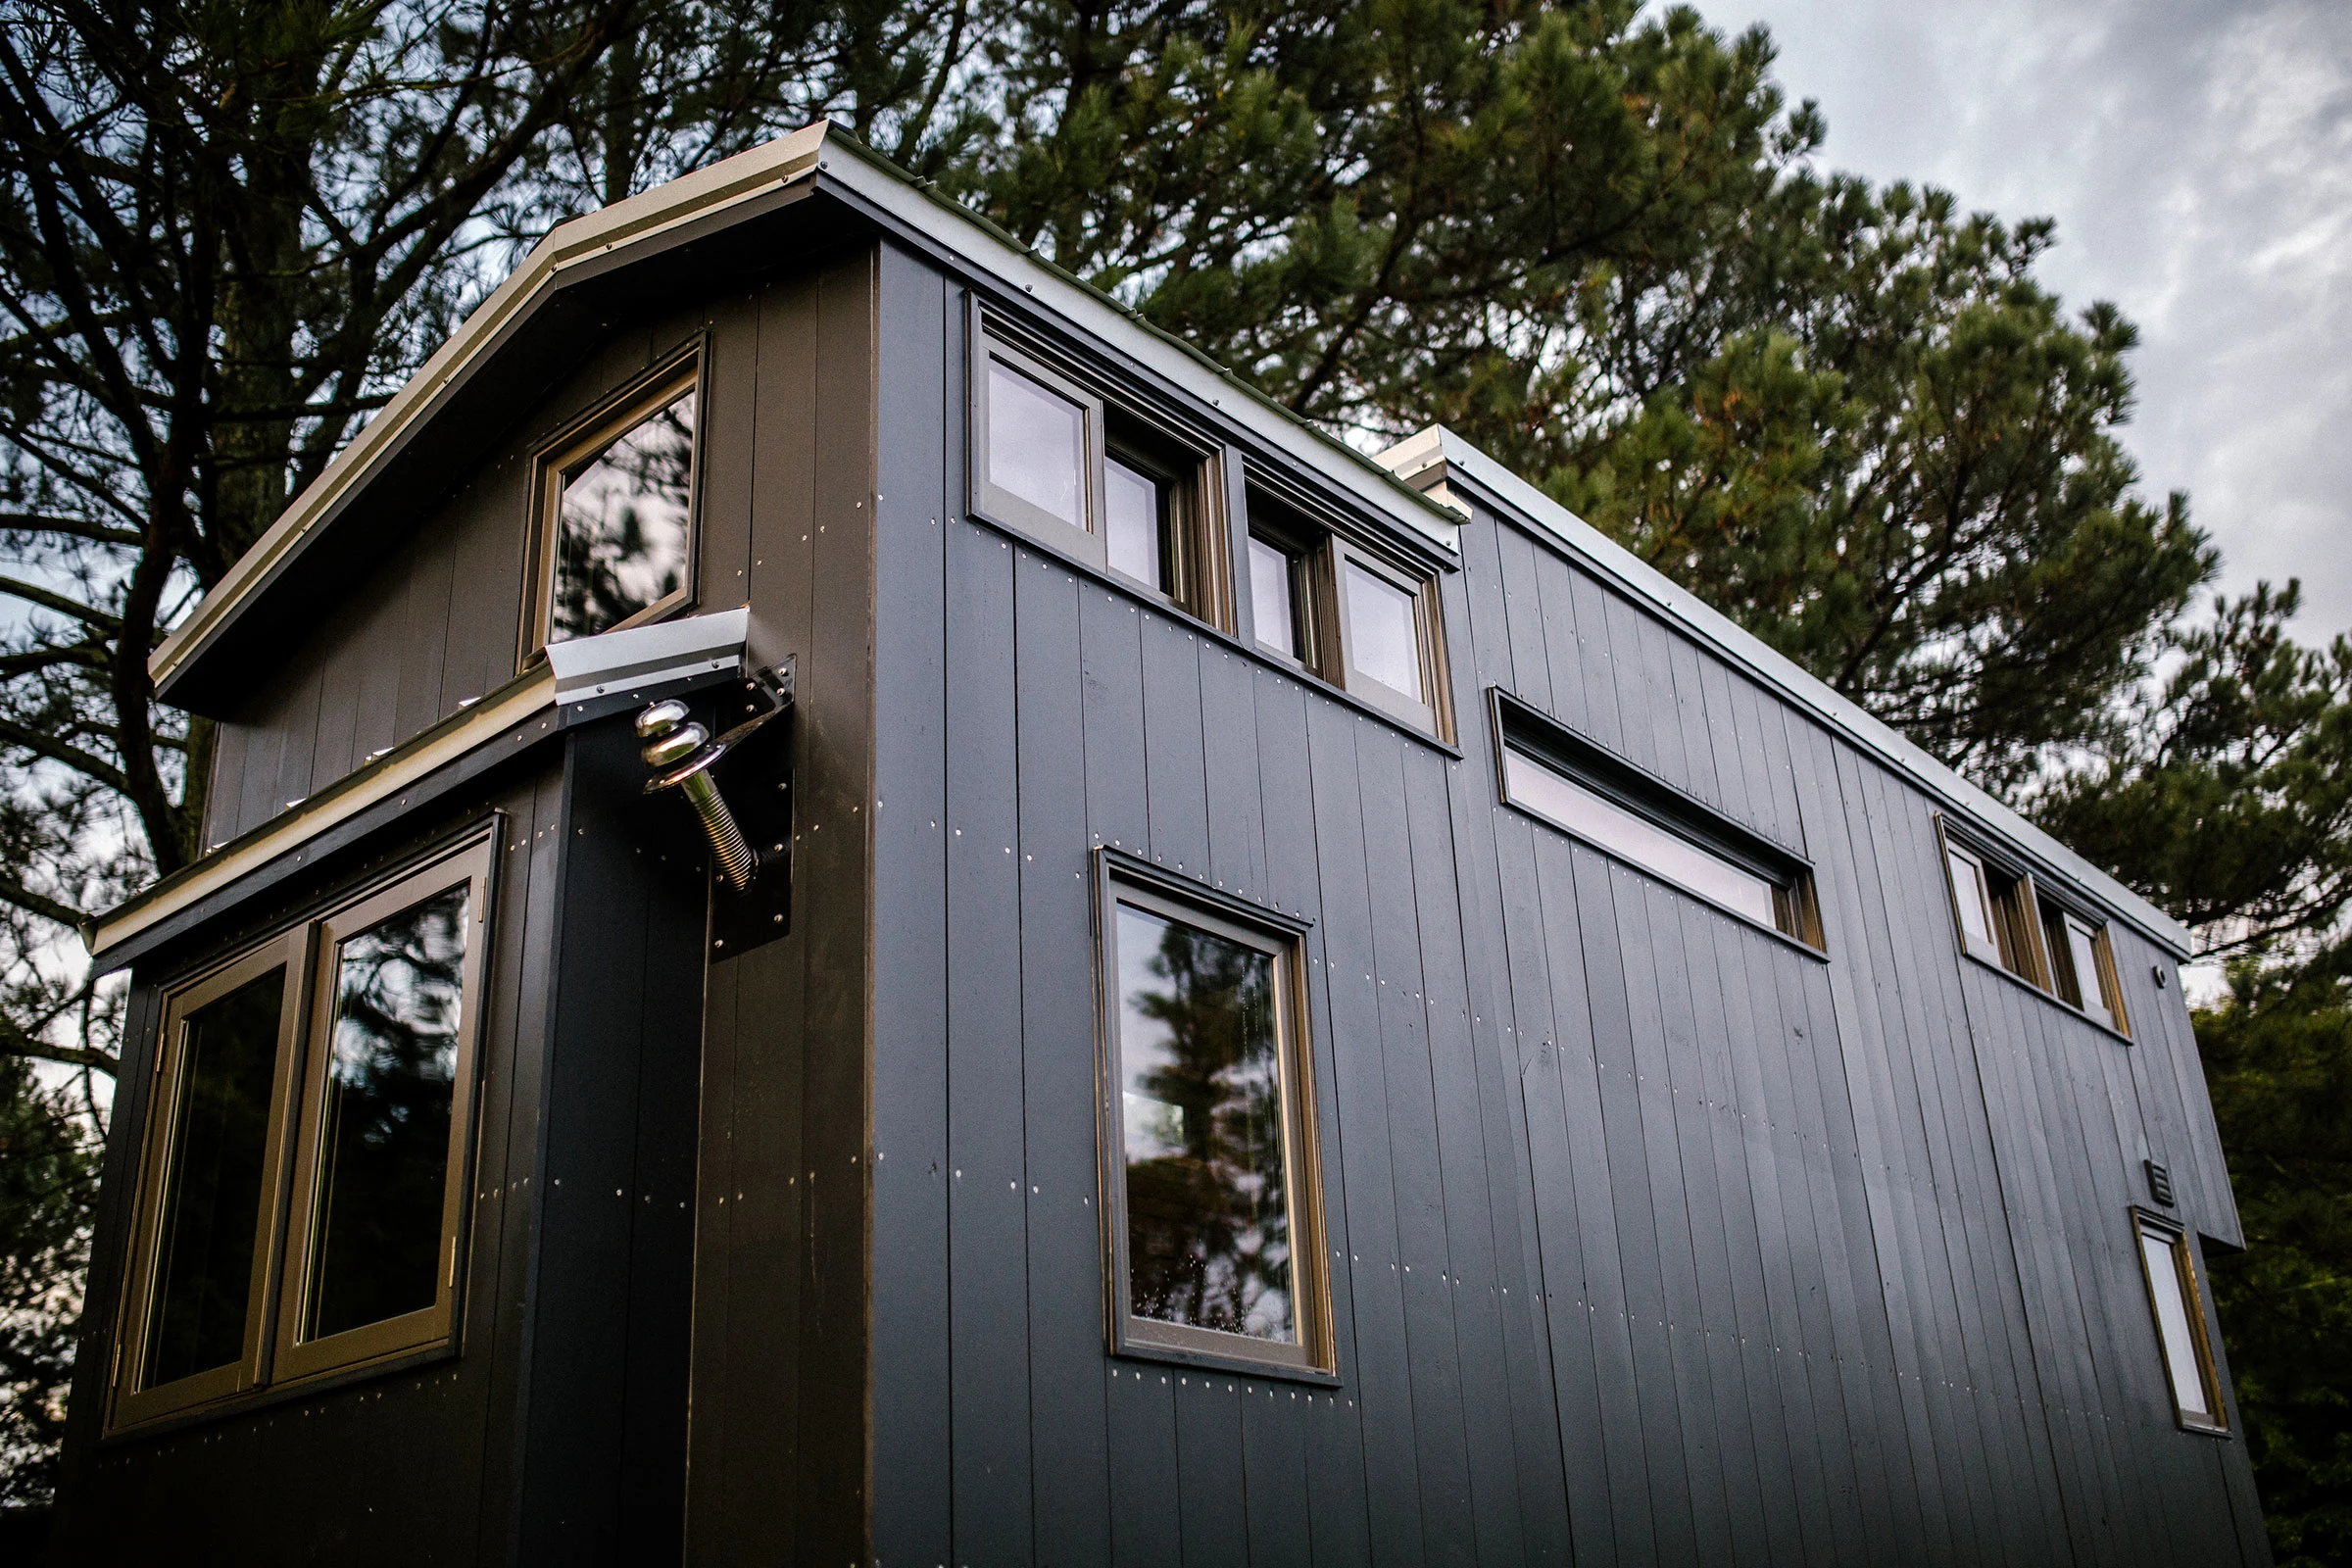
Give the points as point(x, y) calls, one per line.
point(204, 1267)
point(621, 540)
point(1207, 1205)
point(384, 1139)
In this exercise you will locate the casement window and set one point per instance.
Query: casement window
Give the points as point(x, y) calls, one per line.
point(1075, 470)
point(1211, 1186)
point(303, 1176)
point(2005, 919)
point(612, 542)
point(1575, 786)
point(2083, 964)
point(2180, 1335)
point(1366, 623)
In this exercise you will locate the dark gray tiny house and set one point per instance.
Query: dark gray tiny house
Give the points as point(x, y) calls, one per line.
point(1293, 1008)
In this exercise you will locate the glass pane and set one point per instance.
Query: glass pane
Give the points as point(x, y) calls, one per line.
point(1383, 639)
point(1968, 885)
point(2064, 974)
point(1208, 1220)
point(1036, 445)
point(383, 1145)
point(1594, 817)
point(1132, 509)
point(1270, 598)
point(213, 1184)
point(2084, 948)
point(623, 539)
point(2173, 1324)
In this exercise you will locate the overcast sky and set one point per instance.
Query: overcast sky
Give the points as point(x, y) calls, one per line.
point(2199, 160)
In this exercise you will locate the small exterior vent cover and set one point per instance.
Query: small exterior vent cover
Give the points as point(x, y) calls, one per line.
point(2160, 1183)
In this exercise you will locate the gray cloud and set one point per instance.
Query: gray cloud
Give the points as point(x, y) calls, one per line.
point(2199, 160)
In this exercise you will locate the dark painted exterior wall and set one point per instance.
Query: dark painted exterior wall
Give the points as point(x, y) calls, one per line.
point(1655, 1239)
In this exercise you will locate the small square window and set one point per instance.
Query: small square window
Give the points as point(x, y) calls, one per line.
point(615, 543)
point(2180, 1335)
point(1209, 1134)
point(1355, 618)
point(2082, 965)
point(348, 1079)
point(1993, 906)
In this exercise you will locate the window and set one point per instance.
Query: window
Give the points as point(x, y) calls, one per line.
point(1060, 463)
point(2005, 919)
point(2172, 1275)
point(614, 541)
point(1356, 620)
point(346, 1078)
point(1578, 788)
point(1992, 902)
point(1210, 1167)
point(2082, 964)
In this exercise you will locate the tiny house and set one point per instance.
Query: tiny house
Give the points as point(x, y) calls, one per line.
point(857, 911)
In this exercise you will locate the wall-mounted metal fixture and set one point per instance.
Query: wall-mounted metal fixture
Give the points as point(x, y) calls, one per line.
point(684, 753)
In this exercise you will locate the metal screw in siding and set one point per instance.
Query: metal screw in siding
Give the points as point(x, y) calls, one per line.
point(683, 748)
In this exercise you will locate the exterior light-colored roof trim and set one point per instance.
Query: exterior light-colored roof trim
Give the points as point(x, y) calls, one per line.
point(1417, 454)
point(403, 767)
point(590, 238)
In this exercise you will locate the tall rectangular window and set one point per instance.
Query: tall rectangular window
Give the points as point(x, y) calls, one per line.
point(1208, 1136)
point(2181, 1336)
point(615, 541)
point(1111, 485)
point(344, 1077)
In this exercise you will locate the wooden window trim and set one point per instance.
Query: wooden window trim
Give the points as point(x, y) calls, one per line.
point(436, 1324)
point(582, 439)
point(273, 1362)
point(1306, 574)
point(2192, 1298)
point(134, 1405)
point(2014, 917)
point(2099, 994)
point(1124, 879)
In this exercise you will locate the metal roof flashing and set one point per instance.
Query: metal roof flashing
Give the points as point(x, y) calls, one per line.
point(1436, 447)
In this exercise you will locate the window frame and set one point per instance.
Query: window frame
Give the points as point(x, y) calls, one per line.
point(2100, 1000)
point(1300, 582)
point(1192, 467)
point(2013, 914)
point(1123, 879)
point(2147, 1226)
point(1343, 554)
point(1520, 728)
point(272, 1360)
point(426, 1327)
point(131, 1402)
point(577, 443)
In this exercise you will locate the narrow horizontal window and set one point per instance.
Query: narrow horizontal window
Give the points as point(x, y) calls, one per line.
point(1207, 1134)
point(616, 537)
point(347, 1079)
point(2180, 1337)
point(1569, 785)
